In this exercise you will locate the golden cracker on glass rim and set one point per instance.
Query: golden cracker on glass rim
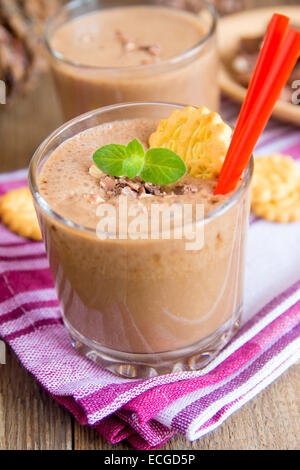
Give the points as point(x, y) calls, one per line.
point(275, 178)
point(18, 214)
point(198, 136)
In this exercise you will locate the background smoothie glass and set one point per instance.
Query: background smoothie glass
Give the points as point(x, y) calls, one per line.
point(144, 307)
point(91, 70)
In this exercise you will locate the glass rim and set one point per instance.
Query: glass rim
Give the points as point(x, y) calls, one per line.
point(172, 61)
point(45, 206)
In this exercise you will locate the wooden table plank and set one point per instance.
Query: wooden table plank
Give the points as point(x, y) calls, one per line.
point(30, 419)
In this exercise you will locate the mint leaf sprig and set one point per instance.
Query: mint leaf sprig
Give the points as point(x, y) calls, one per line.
point(158, 165)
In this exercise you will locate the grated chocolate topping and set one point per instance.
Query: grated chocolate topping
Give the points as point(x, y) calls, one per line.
point(113, 186)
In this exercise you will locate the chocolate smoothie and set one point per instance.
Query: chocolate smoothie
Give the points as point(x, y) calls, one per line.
point(139, 296)
point(134, 53)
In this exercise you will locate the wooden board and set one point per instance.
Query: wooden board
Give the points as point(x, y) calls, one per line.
point(252, 23)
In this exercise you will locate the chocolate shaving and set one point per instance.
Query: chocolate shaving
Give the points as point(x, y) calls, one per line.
point(109, 186)
point(127, 191)
point(185, 188)
point(128, 45)
point(154, 189)
point(113, 186)
point(154, 50)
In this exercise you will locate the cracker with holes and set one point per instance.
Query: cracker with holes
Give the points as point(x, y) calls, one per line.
point(276, 188)
point(198, 136)
point(18, 214)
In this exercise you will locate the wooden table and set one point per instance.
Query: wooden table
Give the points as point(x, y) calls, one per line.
point(30, 419)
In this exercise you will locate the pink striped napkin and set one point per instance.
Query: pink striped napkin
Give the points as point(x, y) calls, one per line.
point(148, 412)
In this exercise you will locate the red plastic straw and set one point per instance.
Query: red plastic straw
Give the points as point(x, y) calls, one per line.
point(264, 94)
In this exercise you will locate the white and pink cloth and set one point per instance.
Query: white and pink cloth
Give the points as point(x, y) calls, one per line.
point(148, 412)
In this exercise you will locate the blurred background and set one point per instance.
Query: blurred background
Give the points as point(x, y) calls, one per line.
point(32, 110)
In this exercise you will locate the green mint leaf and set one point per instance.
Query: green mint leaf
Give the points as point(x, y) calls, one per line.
point(135, 149)
point(136, 157)
point(158, 166)
point(121, 160)
point(110, 159)
point(132, 166)
point(162, 166)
